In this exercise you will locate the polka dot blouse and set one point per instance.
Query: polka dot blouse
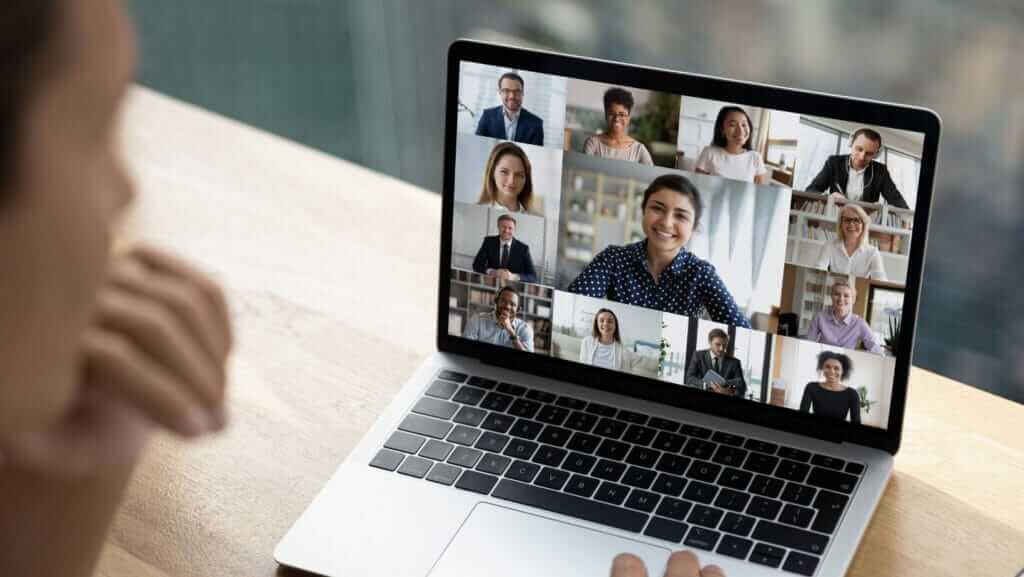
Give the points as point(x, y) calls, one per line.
point(688, 286)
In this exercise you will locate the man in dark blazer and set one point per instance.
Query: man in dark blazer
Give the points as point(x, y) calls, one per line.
point(511, 121)
point(716, 358)
point(504, 256)
point(858, 176)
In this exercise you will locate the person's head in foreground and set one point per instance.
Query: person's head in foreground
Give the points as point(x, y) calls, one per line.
point(511, 90)
point(508, 179)
point(618, 106)
point(854, 226)
point(718, 342)
point(506, 303)
point(732, 129)
point(606, 327)
point(506, 228)
point(671, 211)
point(864, 147)
point(843, 297)
point(834, 367)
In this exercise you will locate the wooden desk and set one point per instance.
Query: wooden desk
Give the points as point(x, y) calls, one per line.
point(330, 269)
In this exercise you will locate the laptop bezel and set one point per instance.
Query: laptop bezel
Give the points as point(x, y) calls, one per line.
point(642, 77)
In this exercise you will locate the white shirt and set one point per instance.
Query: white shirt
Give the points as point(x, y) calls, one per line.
point(511, 123)
point(499, 206)
point(855, 184)
point(604, 356)
point(866, 261)
point(743, 166)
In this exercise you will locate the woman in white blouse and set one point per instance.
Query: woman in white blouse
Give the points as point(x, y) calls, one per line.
point(730, 153)
point(508, 180)
point(603, 348)
point(850, 252)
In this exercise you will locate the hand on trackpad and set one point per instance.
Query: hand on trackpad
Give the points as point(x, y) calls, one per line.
point(499, 542)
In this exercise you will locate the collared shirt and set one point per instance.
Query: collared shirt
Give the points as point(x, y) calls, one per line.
point(855, 184)
point(865, 262)
point(511, 122)
point(484, 327)
point(498, 206)
point(847, 332)
point(687, 287)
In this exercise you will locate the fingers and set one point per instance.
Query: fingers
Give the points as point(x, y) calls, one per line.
point(628, 565)
point(712, 571)
point(683, 564)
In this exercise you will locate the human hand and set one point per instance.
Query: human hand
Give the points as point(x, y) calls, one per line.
point(680, 564)
point(154, 355)
point(838, 197)
point(502, 273)
point(717, 388)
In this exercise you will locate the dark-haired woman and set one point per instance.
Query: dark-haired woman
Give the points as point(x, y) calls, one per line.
point(603, 347)
point(831, 397)
point(615, 142)
point(658, 272)
point(730, 153)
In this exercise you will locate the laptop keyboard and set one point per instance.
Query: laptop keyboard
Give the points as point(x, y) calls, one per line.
point(712, 490)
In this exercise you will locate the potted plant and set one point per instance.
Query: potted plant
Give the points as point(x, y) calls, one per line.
point(865, 403)
point(892, 340)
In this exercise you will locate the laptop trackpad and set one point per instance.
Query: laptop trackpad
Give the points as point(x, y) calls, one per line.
point(499, 542)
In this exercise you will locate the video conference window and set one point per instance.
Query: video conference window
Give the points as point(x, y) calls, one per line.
point(744, 251)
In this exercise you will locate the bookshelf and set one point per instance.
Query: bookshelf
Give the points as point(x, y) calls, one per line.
point(810, 291)
point(599, 210)
point(472, 293)
point(812, 223)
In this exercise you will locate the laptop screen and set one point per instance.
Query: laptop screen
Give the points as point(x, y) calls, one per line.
point(725, 247)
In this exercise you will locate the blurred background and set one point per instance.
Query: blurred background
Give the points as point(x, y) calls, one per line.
point(363, 80)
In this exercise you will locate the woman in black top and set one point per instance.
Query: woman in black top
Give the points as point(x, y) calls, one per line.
point(832, 398)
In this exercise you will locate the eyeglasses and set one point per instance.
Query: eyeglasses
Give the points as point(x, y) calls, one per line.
point(618, 115)
point(851, 220)
point(509, 92)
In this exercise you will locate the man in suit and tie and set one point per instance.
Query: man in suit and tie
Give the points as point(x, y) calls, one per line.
point(858, 176)
point(716, 358)
point(504, 256)
point(511, 121)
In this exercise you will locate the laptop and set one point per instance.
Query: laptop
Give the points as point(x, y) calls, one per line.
point(611, 234)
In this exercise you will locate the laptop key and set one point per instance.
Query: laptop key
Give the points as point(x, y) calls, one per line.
point(674, 508)
point(830, 509)
point(639, 435)
point(464, 435)
point(702, 538)
point(796, 515)
point(737, 524)
point(511, 389)
point(552, 415)
point(760, 463)
point(705, 516)
point(695, 431)
point(492, 442)
point(497, 422)
point(404, 442)
point(797, 493)
point(673, 464)
point(761, 446)
point(734, 546)
point(415, 467)
point(704, 471)
point(669, 442)
point(609, 470)
point(700, 492)
point(732, 500)
point(465, 457)
point(525, 429)
point(520, 449)
point(699, 449)
point(637, 477)
point(767, 555)
point(643, 457)
point(730, 456)
point(582, 486)
point(493, 464)
point(669, 484)
point(612, 450)
point(387, 459)
point(469, 395)
point(579, 463)
point(551, 478)
point(496, 402)
point(611, 493)
point(483, 383)
point(792, 454)
point(764, 508)
point(571, 403)
point(854, 468)
point(442, 389)
point(570, 505)
point(663, 424)
point(436, 450)
point(425, 426)
point(831, 480)
point(522, 471)
point(550, 456)
point(610, 428)
point(666, 530)
point(556, 436)
point(642, 500)
point(542, 396)
point(735, 479)
point(470, 416)
point(476, 482)
point(443, 474)
point(766, 486)
point(524, 408)
point(790, 537)
point(581, 421)
point(728, 439)
point(631, 417)
point(792, 471)
point(602, 410)
point(800, 564)
point(583, 443)
point(829, 462)
point(456, 376)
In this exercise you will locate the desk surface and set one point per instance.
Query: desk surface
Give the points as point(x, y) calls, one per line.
point(308, 247)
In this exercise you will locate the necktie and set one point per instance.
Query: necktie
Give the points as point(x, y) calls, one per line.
point(504, 256)
point(716, 366)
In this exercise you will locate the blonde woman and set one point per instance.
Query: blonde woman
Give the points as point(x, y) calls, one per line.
point(508, 180)
point(850, 252)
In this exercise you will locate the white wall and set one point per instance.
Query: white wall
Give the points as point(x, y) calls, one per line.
point(474, 222)
point(543, 95)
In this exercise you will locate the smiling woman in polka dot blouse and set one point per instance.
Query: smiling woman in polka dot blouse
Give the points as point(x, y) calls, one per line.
point(657, 272)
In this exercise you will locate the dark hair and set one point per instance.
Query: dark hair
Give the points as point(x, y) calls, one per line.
point(719, 138)
point(513, 76)
point(680, 184)
point(25, 30)
point(718, 334)
point(618, 95)
point(508, 288)
point(867, 133)
point(844, 360)
point(609, 311)
point(489, 191)
point(507, 217)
